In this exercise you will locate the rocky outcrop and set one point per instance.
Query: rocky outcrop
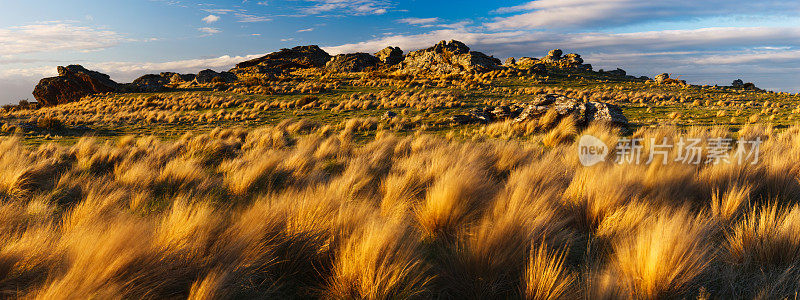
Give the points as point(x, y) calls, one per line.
point(285, 59)
point(510, 61)
point(570, 61)
point(390, 56)
point(210, 76)
point(101, 78)
point(354, 62)
point(72, 83)
point(583, 113)
point(157, 82)
point(449, 57)
point(738, 83)
point(150, 83)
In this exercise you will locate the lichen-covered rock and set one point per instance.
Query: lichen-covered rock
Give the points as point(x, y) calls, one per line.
point(390, 56)
point(583, 113)
point(72, 83)
point(353, 62)
point(449, 57)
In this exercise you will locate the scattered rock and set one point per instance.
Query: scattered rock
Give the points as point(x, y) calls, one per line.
point(449, 57)
point(605, 112)
point(390, 56)
point(72, 83)
point(354, 62)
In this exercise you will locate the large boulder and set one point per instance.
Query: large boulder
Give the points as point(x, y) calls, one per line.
point(280, 62)
point(449, 57)
point(390, 56)
point(210, 76)
point(101, 78)
point(151, 83)
point(72, 83)
point(353, 62)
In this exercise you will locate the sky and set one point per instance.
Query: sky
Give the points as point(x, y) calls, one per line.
point(703, 42)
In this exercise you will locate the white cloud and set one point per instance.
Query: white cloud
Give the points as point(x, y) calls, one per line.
point(350, 7)
point(418, 21)
point(211, 19)
point(209, 30)
point(247, 18)
point(560, 14)
point(219, 11)
point(755, 57)
point(306, 30)
point(57, 36)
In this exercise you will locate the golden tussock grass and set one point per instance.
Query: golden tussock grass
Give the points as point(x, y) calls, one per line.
point(300, 210)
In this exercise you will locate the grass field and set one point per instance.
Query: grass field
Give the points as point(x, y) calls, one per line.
point(300, 188)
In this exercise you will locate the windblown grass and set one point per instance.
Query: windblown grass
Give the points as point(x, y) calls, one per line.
point(300, 210)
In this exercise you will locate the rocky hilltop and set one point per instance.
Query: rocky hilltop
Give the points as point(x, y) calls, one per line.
point(446, 57)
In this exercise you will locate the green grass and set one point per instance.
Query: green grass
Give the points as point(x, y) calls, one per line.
point(681, 100)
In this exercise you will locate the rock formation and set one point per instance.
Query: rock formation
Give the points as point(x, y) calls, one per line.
point(354, 62)
point(210, 76)
point(570, 61)
point(584, 113)
point(390, 56)
point(449, 57)
point(72, 83)
point(284, 60)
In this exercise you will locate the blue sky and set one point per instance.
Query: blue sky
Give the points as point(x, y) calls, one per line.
point(705, 42)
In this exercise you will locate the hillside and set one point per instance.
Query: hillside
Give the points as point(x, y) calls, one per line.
point(308, 84)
